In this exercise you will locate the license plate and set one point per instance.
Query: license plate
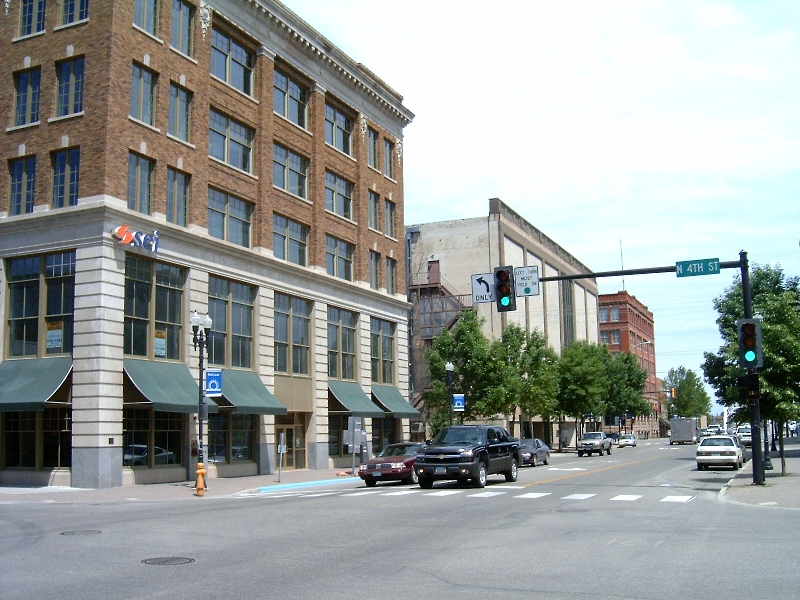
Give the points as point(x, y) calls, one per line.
point(440, 471)
point(378, 474)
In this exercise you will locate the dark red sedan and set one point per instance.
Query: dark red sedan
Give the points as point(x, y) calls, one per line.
point(395, 463)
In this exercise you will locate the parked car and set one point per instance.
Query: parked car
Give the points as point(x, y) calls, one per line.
point(135, 455)
point(594, 441)
point(627, 439)
point(745, 434)
point(533, 451)
point(719, 450)
point(394, 463)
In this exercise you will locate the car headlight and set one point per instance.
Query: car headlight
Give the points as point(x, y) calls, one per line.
point(362, 468)
point(467, 454)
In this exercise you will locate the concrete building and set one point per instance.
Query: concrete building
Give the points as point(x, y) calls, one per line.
point(165, 157)
point(444, 255)
point(626, 325)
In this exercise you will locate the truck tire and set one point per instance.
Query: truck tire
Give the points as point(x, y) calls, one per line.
point(511, 474)
point(580, 452)
point(426, 483)
point(533, 460)
point(480, 480)
point(608, 452)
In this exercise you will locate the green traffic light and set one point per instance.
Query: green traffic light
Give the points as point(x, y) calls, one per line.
point(750, 356)
point(505, 301)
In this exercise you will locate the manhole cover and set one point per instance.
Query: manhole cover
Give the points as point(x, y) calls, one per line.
point(81, 532)
point(168, 560)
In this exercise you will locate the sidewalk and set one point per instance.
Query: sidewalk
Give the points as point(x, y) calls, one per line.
point(777, 491)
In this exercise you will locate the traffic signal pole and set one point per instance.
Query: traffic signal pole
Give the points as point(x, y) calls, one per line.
point(759, 472)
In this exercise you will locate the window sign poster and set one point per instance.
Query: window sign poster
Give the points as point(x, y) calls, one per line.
point(161, 344)
point(55, 335)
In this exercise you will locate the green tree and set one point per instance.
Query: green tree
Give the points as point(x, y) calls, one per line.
point(583, 379)
point(626, 382)
point(776, 299)
point(691, 398)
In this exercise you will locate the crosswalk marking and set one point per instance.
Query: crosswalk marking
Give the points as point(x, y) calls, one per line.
point(402, 493)
point(533, 495)
point(578, 496)
point(677, 499)
point(363, 493)
point(444, 493)
point(626, 498)
point(486, 494)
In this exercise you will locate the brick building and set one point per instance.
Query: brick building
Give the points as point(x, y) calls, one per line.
point(165, 157)
point(626, 325)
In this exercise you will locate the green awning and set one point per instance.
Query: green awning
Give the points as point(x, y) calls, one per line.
point(169, 386)
point(392, 400)
point(353, 398)
point(27, 383)
point(248, 394)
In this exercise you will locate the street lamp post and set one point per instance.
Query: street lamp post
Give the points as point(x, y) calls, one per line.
point(200, 340)
point(449, 367)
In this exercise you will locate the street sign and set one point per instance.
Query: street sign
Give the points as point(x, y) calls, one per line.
point(213, 383)
point(704, 266)
point(482, 288)
point(458, 403)
point(526, 280)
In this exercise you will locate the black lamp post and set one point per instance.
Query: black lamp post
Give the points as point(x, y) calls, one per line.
point(449, 367)
point(200, 340)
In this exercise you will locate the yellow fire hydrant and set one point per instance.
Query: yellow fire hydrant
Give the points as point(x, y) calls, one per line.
point(200, 487)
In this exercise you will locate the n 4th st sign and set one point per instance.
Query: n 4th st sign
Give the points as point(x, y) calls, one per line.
point(691, 268)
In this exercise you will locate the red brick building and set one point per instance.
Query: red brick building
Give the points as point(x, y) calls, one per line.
point(626, 325)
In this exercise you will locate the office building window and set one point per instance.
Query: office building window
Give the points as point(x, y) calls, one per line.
point(66, 176)
point(31, 17)
point(229, 218)
point(341, 343)
point(41, 291)
point(177, 196)
point(374, 269)
point(604, 338)
point(231, 306)
point(73, 11)
point(289, 240)
point(339, 258)
point(182, 26)
point(153, 308)
point(27, 85)
point(615, 314)
point(230, 437)
point(292, 334)
point(615, 336)
point(151, 438)
point(145, 15)
point(230, 141)
point(23, 185)
point(290, 99)
point(382, 350)
point(338, 195)
point(372, 148)
point(143, 94)
point(69, 100)
point(289, 171)
point(604, 315)
point(388, 218)
point(140, 182)
point(391, 275)
point(180, 110)
point(338, 129)
point(373, 202)
point(231, 62)
point(388, 159)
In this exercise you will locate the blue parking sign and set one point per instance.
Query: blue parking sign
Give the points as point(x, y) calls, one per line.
point(213, 383)
point(458, 402)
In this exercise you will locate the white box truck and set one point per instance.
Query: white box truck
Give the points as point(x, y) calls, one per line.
point(682, 431)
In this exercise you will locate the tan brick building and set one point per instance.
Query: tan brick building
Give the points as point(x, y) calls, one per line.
point(170, 157)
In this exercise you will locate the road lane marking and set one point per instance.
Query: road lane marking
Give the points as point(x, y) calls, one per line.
point(677, 499)
point(402, 493)
point(533, 495)
point(578, 496)
point(444, 493)
point(364, 493)
point(626, 498)
point(486, 494)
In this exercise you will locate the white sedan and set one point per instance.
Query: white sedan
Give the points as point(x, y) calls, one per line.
point(627, 439)
point(719, 450)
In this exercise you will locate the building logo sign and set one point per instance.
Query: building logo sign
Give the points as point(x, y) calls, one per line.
point(137, 239)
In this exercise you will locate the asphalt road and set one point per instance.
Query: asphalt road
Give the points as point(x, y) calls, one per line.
point(641, 523)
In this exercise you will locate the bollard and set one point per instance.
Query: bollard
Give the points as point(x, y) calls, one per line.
point(200, 487)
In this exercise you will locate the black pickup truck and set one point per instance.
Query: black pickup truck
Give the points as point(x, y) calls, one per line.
point(468, 452)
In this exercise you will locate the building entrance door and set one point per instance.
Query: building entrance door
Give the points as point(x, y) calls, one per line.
point(294, 436)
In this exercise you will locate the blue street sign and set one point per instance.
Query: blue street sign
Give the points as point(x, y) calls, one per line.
point(458, 402)
point(213, 382)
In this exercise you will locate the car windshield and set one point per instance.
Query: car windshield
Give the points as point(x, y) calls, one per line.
point(627, 436)
point(458, 435)
point(592, 435)
point(717, 442)
point(410, 450)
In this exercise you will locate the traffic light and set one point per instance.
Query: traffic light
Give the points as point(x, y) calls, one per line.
point(504, 293)
point(751, 355)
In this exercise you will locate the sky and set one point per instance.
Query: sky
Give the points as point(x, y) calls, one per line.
point(635, 134)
